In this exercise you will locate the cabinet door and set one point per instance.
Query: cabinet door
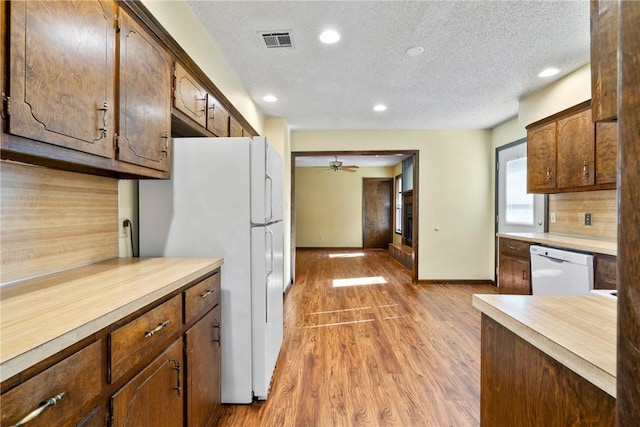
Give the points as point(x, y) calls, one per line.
point(154, 396)
point(514, 276)
point(145, 97)
point(541, 158)
point(203, 370)
point(606, 272)
point(606, 153)
point(217, 117)
point(62, 73)
point(235, 128)
point(604, 60)
point(69, 386)
point(576, 151)
point(189, 96)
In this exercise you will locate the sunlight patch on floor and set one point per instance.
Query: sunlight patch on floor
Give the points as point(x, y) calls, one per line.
point(359, 281)
point(347, 255)
point(338, 311)
point(339, 323)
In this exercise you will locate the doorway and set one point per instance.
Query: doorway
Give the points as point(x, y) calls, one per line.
point(414, 179)
point(377, 213)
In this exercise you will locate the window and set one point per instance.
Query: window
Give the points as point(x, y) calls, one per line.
point(399, 204)
point(519, 204)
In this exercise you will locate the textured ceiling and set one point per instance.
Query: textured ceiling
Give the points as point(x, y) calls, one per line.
point(480, 58)
point(371, 160)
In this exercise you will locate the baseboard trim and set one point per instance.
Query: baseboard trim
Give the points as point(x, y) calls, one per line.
point(455, 282)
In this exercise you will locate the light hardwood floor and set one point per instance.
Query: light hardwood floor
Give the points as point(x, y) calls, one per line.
point(389, 354)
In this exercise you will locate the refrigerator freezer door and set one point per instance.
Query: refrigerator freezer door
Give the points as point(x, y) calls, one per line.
point(266, 301)
point(266, 182)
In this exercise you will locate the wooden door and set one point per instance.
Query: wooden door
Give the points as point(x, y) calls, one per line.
point(377, 208)
point(145, 97)
point(203, 370)
point(62, 73)
point(576, 151)
point(154, 397)
point(606, 153)
point(541, 158)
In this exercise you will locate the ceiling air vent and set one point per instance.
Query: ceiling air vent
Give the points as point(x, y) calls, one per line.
point(277, 39)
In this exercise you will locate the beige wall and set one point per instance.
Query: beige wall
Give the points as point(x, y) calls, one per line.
point(329, 206)
point(179, 20)
point(455, 227)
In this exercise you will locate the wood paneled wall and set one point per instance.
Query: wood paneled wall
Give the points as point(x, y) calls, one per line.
point(52, 220)
point(571, 207)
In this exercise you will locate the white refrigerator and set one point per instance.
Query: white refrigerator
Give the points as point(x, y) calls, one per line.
point(224, 199)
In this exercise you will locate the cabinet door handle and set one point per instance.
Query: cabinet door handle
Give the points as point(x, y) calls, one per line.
point(524, 274)
point(44, 405)
point(177, 367)
point(156, 329)
point(548, 174)
point(207, 293)
point(103, 129)
point(585, 169)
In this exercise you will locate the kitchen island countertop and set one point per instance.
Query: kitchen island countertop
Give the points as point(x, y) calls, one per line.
point(44, 315)
point(587, 244)
point(577, 331)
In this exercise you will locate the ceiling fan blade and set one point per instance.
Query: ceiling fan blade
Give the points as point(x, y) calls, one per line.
point(350, 166)
point(348, 170)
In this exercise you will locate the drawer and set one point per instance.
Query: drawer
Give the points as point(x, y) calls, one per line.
point(515, 248)
point(77, 379)
point(201, 297)
point(140, 338)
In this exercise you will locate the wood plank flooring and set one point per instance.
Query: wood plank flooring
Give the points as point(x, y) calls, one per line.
point(360, 354)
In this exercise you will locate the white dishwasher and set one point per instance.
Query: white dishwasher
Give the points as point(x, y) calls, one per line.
point(558, 272)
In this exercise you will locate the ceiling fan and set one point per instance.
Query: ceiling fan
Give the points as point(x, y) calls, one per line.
point(337, 165)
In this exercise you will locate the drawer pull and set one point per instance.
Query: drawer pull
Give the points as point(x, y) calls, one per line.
point(207, 293)
point(513, 248)
point(156, 329)
point(44, 405)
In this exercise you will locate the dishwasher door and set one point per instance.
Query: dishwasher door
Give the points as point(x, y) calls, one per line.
point(558, 272)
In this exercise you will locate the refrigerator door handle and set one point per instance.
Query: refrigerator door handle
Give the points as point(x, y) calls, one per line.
point(270, 193)
point(266, 277)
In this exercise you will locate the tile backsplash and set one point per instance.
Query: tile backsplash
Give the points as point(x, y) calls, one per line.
point(570, 210)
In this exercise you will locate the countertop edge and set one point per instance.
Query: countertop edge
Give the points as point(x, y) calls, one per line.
point(23, 361)
point(564, 241)
point(580, 366)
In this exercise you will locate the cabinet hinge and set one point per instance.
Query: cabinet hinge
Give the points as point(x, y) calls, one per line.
point(116, 142)
point(117, 23)
point(6, 106)
point(175, 73)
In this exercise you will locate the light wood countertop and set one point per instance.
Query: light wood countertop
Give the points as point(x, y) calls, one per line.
point(587, 244)
point(577, 331)
point(42, 316)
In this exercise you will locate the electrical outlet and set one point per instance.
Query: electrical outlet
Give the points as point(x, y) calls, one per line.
point(552, 217)
point(124, 230)
point(587, 219)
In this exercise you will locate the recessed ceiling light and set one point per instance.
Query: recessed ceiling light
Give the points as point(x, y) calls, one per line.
point(548, 72)
point(269, 98)
point(414, 51)
point(329, 36)
point(380, 107)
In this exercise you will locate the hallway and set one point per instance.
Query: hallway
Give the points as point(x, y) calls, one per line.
point(365, 347)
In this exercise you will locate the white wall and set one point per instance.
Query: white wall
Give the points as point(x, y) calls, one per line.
point(454, 193)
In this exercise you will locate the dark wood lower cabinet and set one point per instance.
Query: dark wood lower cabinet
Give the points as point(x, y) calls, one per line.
point(154, 397)
point(202, 344)
point(522, 386)
point(514, 267)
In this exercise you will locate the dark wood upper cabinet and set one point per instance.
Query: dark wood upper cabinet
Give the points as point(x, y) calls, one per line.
point(189, 96)
point(568, 152)
point(604, 54)
point(145, 97)
point(541, 158)
point(606, 153)
point(61, 73)
point(576, 151)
